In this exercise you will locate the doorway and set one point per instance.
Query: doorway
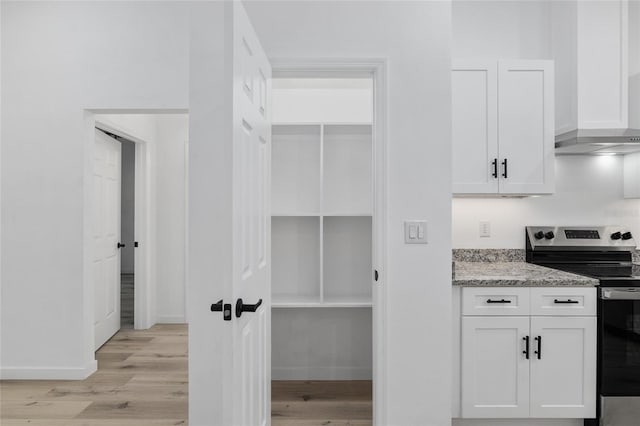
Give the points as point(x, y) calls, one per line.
point(149, 284)
point(322, 247)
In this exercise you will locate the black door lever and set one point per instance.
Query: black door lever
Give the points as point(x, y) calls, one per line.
point(120, 245)
point(241, 307)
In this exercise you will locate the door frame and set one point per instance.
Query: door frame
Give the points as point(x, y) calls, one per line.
point(376, 69)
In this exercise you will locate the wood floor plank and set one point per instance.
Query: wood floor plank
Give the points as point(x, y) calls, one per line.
point(42, 409)
point(142, 381)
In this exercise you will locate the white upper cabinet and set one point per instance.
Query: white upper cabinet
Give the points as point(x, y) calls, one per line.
point(503, 127)
point(475, 126)
point(602, 64)
point(632, 175)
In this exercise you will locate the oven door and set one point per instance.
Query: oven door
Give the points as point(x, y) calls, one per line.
point(620, 341)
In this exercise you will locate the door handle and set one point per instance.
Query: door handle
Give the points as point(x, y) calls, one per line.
point(526, 347)
point(498, 301)
point(120, 245)
point(224, 308)
point(242, 307)
point(494, 163)
point(504, 163)
point(539, 351)
point(568, 301)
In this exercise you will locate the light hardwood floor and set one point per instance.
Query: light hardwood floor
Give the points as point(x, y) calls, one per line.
point(142, 380)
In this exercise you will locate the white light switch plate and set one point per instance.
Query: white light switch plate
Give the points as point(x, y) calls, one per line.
point(415, 232)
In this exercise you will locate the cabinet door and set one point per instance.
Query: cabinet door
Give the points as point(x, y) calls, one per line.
point(474, 126)
point(526, 127)
point(563, 373)
point(495, 370)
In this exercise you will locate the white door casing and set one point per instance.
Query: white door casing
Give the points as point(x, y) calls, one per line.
point(106, 236)
point(563, 380)
point(495, 372)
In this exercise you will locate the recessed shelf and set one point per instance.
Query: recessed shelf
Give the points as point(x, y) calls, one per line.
point(347, 168)
point(295, 269)
point(295, 153)
point(347, 252)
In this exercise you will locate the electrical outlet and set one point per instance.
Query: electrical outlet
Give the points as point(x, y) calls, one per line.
point(485, 229)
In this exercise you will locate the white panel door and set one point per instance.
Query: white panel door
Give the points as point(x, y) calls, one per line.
point(563, 367)
point(250, 384)
point(106, 236)
point(474, 127)
point(495, 369)
point(526, 126)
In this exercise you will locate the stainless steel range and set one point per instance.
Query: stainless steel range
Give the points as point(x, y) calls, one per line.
point(605, 253)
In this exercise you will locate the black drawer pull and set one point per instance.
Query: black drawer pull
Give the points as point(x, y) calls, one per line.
point(498, 301)
point(526, 344)
point(568, 301)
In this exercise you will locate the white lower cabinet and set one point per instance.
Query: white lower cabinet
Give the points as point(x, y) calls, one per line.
point(563, 373)
point(495, 373)
point(522, 366)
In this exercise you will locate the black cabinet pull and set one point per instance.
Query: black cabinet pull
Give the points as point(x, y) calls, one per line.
point(375, 275)
point(568, 301)
point(494, 163)
point(526, 345)
point(120, 245)
point(539, 351)
point(241, 307)
point(504, 163)
point(498, 301)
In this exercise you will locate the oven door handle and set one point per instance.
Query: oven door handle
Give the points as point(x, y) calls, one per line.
point(620, 294)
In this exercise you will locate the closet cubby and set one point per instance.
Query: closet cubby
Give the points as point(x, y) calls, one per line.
point(321, 215)
point(295, 159)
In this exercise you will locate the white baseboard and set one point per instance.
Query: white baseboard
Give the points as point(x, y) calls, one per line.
point(171, 319)
point(48, 373)
point(517, 422)
point(321, 373)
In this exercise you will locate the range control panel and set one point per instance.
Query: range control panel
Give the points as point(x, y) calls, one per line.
point(580, 237)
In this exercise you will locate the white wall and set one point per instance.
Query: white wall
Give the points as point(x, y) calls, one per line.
point(320, 100)
point(414, 38)
point(130, 56)
point(588, 192)
point(501, 29)
point(172, 133)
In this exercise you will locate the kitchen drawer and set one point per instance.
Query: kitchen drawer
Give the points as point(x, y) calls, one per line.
point(495, 301)
point(563, 301)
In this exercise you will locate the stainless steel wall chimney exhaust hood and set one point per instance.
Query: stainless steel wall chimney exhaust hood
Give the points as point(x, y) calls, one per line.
point(599, 141)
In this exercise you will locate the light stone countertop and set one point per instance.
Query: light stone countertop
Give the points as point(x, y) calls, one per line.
point(496, 274)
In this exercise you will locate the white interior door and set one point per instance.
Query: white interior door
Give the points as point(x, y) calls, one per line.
point(106, 236)
point(251, 225)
